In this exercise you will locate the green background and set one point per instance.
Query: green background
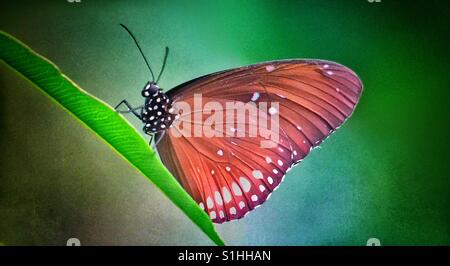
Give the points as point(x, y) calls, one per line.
point(384, 174)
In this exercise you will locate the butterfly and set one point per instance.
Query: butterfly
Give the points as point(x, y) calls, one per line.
point(230, 175)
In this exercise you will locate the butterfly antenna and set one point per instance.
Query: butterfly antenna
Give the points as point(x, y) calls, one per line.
point(166, 54)
point(140, 50)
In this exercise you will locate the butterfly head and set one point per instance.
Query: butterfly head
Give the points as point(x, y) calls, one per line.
point(157, 112)
point(150, 90)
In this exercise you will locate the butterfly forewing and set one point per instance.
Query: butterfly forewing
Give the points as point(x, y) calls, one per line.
point(229, 176)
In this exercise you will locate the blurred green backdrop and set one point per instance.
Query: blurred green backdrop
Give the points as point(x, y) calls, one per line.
point(384, 174)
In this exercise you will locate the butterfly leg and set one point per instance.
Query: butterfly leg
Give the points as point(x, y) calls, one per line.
point(152, 135)
point(130, 109)
point(150, 141)
point(151, 138)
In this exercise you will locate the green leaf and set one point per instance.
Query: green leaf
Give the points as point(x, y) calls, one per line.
point(107, 124)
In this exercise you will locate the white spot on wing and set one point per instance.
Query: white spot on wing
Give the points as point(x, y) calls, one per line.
point(270, 68)
point(262, 188)
point(255, 97)
point(226, 195)
point(209, 203)
point(245, 184)
point(220, 152)
point(218, 198)
point(254, 198)
point(236, 190)
point(273, 110)
point(257, 174)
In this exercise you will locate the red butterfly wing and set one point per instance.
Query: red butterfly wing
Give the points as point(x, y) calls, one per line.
point(229, 176)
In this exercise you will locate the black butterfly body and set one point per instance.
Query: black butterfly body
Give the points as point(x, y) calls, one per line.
point(157, 112)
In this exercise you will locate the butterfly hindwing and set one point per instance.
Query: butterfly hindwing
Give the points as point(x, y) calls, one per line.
point(229, 176)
